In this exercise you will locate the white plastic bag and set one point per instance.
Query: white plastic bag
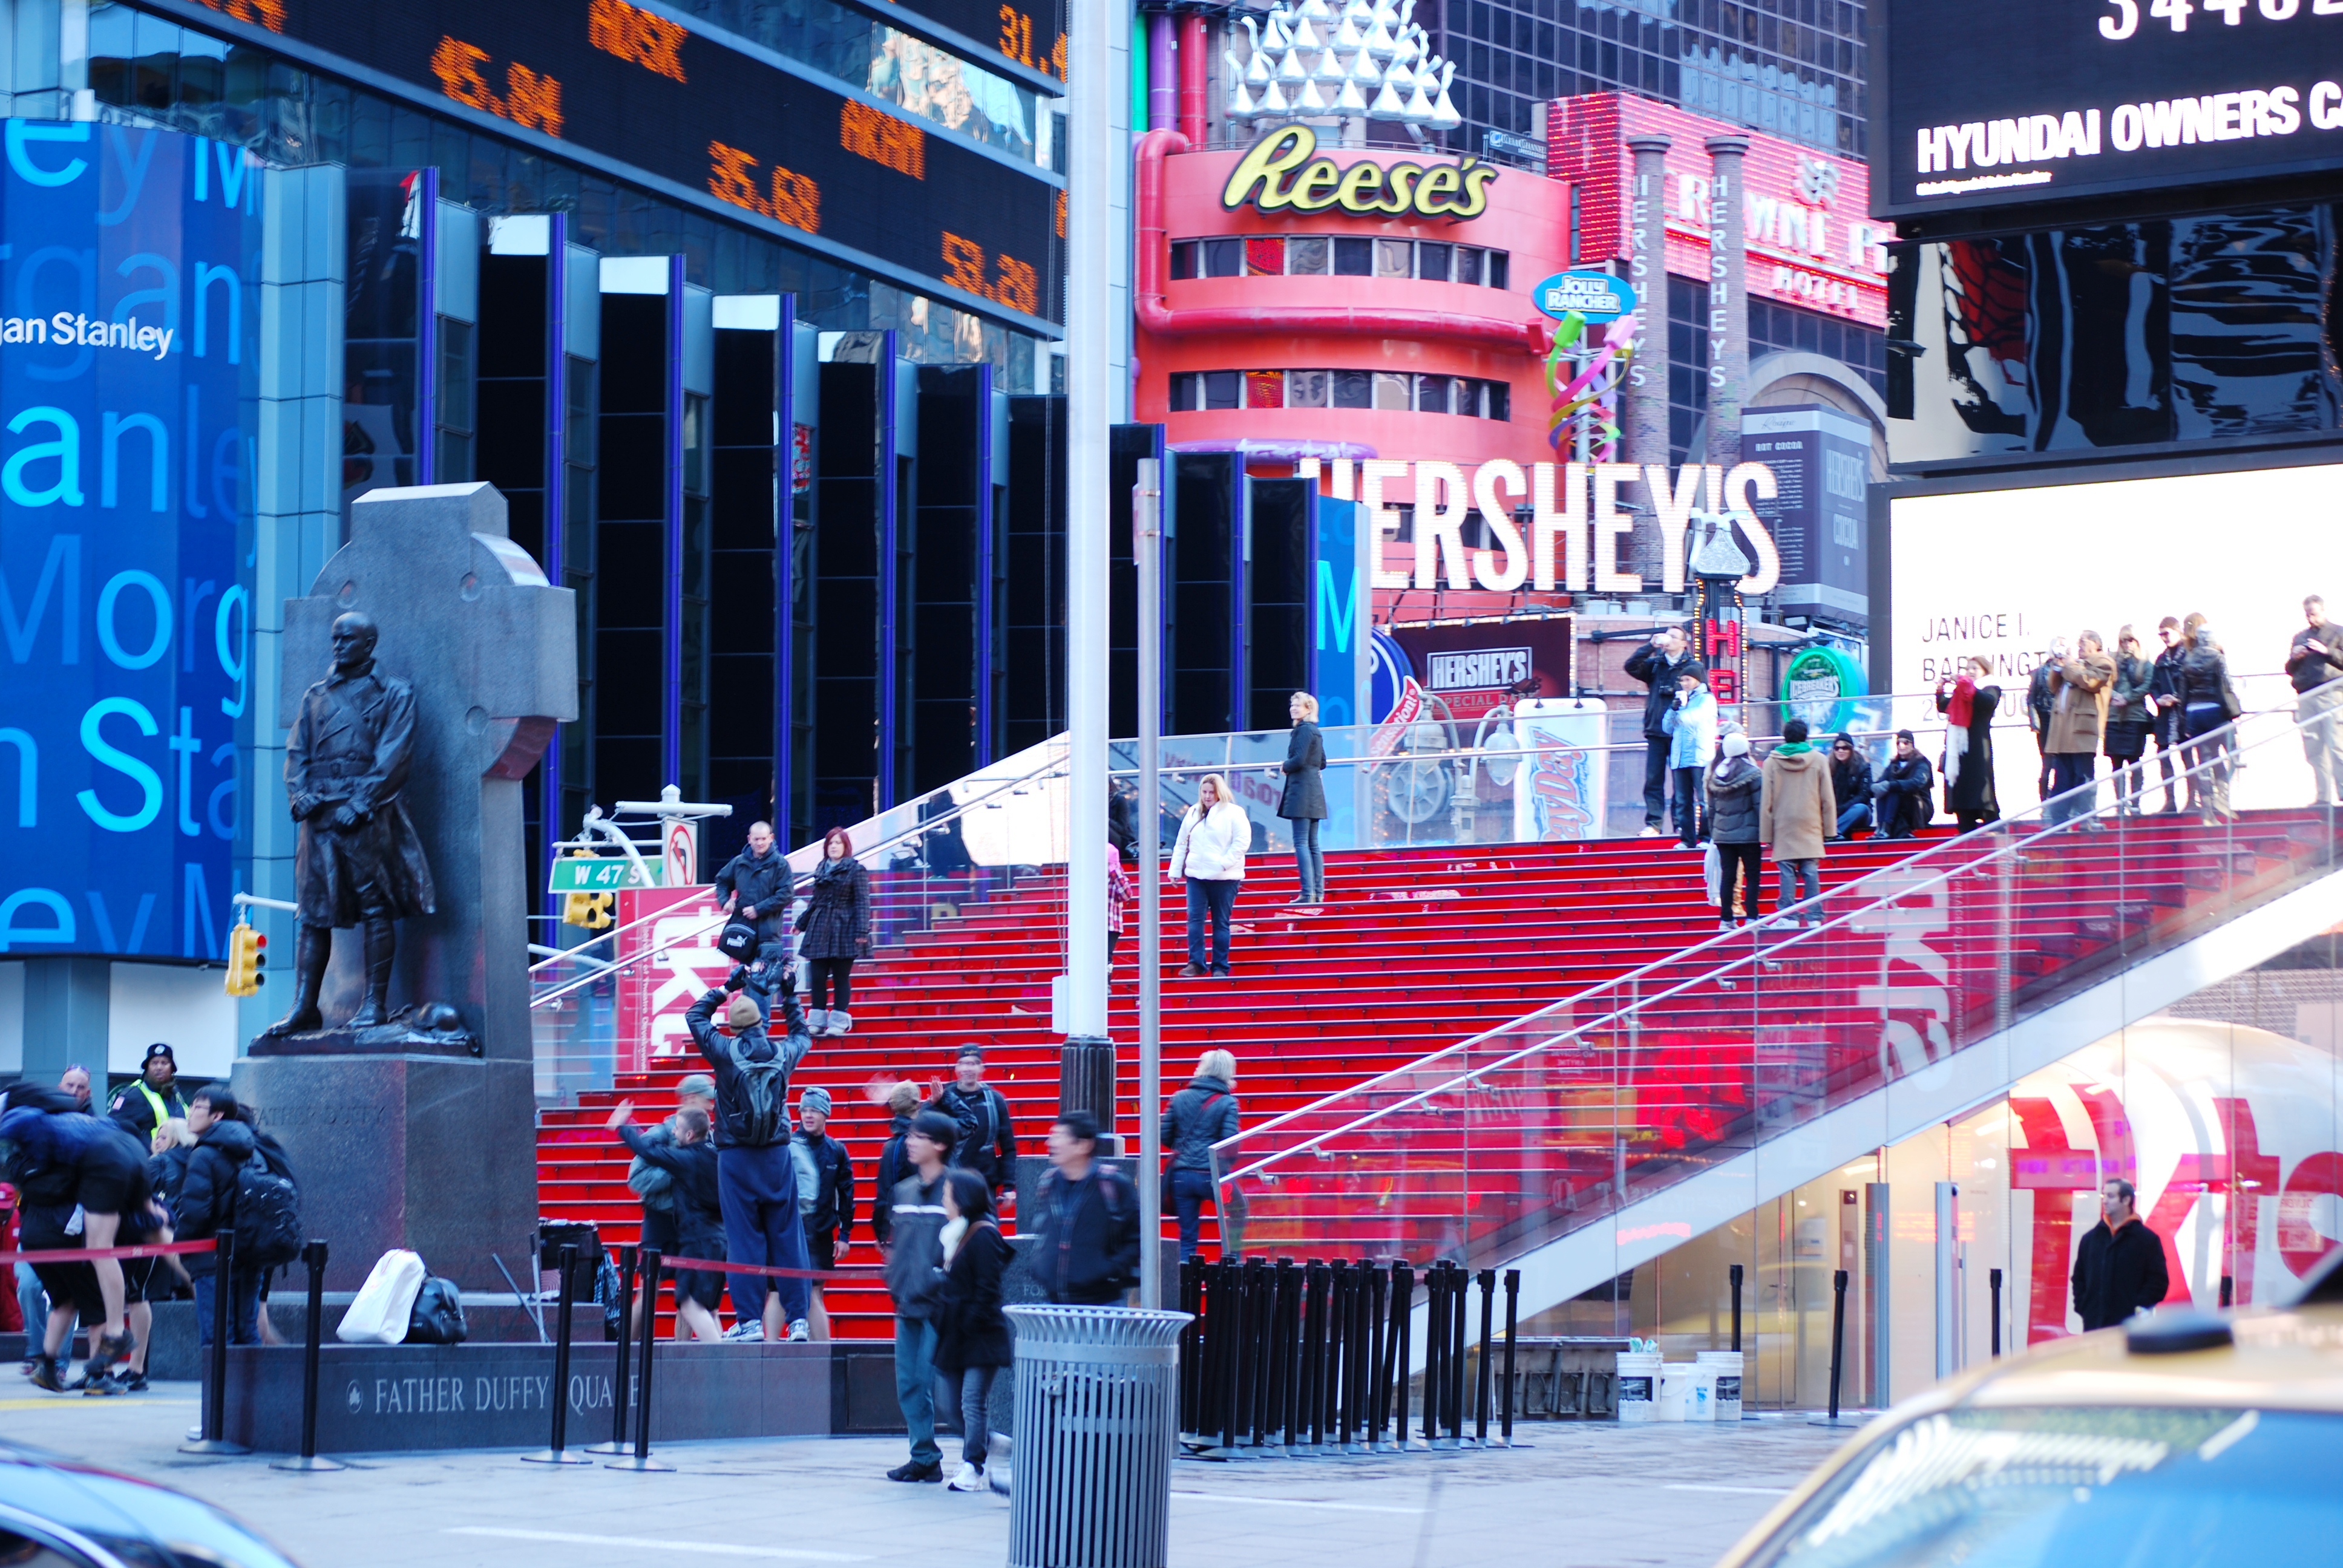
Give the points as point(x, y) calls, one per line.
point(379, 1314)
point(1711, 870)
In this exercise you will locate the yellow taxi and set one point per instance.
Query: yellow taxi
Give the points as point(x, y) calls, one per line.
point(2182, 1439)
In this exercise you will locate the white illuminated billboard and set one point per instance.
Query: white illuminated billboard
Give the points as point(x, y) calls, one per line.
point(2001, 572)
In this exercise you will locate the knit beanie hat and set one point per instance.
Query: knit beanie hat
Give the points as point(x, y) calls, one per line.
point(1736, 746)
point(814, 1101)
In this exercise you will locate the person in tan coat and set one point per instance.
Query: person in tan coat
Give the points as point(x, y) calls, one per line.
point(2079, 687)
point(1793, 817)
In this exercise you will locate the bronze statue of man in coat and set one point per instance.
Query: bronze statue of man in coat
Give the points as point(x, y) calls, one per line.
point(359, 862)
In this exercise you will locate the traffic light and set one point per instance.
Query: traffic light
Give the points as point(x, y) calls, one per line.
point(591, 910)
point(247, 956)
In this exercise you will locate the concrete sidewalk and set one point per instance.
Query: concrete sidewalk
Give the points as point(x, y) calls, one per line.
point(1600, 1496)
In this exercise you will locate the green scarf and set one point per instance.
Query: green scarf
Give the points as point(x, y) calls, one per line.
point(1792, 748)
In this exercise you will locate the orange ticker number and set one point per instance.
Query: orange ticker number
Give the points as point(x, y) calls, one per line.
point(883, 139)
point(529, 99)
point(1017, 43)
point(631, 33)
point(790, 198)
point(1013, 283)
point(269, 14)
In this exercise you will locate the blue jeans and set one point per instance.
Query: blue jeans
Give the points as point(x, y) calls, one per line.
point(915, 1386)
point(1191, 1190)
point(1856, 815)
point(242, 1308)
point(971, 1388)
point(1793, 873)
point(1219, 898)
point(1309, 861)
point(758, 1190)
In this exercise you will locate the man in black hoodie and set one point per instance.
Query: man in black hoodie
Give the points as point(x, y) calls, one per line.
point(756, 1179)
point(1902, 790)
point(1086, 1243)
point(2119, 1267)
point(206, 1206)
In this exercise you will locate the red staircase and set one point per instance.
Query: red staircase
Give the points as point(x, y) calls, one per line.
point(1416, 949)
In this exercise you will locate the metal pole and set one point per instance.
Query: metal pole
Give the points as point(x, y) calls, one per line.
point(1460, 1282)
point(1404, 1328)
point(1993, 1278)
point(1838, 1333)
point(557, 1447)
point(313, 1254)
point(1735, 1272)
point(621, 1393)
point(1090, 399)
point(1480, 1383)
point(641, 1458)
point(215, 1438)
point(1513, 1318)
point(1146, 552)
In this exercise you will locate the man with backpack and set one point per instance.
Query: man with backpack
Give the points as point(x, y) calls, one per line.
point(988, 1144)
point(756, 1179)
point(1086, 1244)
point(237, 1182)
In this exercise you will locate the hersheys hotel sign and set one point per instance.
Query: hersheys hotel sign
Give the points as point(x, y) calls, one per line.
point(1282, 172)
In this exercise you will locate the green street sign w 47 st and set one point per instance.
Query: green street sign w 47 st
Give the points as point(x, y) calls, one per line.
point(599, 874)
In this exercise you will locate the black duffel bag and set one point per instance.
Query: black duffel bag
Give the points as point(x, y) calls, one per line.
point(438, 1315)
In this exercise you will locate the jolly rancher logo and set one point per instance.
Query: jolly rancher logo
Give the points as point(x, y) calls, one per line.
point(1279, 172)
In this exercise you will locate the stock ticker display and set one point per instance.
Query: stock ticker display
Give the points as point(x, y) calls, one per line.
point(641, 89)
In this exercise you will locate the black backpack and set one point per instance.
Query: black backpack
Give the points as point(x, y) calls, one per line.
point(764, 1098)
point(267, 1225)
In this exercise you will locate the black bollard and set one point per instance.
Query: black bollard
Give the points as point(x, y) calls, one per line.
point(314, 1255)
point(1838, 1335)
point(1357, 1381)
point(1191, 1295)
point(1435, 1349)
point(621, 1387)
point(1228, 1369)
point(1338, 1354)
point(641, 1458)
point(1461, 1283)
point(1480, 1383)
point(215, 1438)
point(1402, 1332)
point(1285, 1343)
point(1735, 1272)
point(1992, 1282)
point(1513, 1318)
point(1378, 1359)
point(557, 1451)
point(1314, 1277)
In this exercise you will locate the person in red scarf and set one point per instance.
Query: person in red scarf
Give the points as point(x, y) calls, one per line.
point(1968, 705)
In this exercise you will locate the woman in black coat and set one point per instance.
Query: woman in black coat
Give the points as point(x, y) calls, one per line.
point(1968, 705)
point(971, 1335)
point(1304, 801)
point(836, 930)
point(2209, 703)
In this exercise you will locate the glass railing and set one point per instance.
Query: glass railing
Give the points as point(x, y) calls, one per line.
point(1496, 1145)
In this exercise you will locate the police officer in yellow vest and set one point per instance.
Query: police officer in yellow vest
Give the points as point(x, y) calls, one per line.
point(154, 1099)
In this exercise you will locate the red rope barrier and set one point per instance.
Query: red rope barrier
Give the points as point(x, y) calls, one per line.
point(89, 1254)
point(717, 1266)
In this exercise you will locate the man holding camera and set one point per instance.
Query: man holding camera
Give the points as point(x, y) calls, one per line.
point(755, 1177)
point(1658, 664)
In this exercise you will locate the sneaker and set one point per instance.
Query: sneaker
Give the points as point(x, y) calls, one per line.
point(1189, 971)
point(196, 1434)
point(800, 1331)
point(743, 1334)
point(1651, 830)
point(131, 1382)
point(44, 1374)
point(969, 1478)
point(912, 1470)
point(840, 1022)
point(106, 1383)
point(1724, 925)
point(111, 1350)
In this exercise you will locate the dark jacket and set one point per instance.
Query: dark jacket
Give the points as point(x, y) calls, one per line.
point(1971, 789)
point(833, 1209)
point(1199, 1116)
point(699, 1214)
point(2039, 697)
point(1735, 785)
point(988, 1144)
point(2118, 1272)
point(45, 1145)
point(167, 1173)
point(1305, 762)
point(1659, 672)
point(1906, 775)
point(206, 1204)
point(838, 926)
point(1851, 780)
point(2164, 684)
point(970, 1331)
point(893, 1166)
point(2205, 689)
point(2134, 675)
point(754, 1045)
point(2315, 670)
point(131, 1110)
point(1086, 1243)
point(915, 1255)
point(762, 881)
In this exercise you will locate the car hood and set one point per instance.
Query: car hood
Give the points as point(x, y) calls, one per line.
point(121, 1510)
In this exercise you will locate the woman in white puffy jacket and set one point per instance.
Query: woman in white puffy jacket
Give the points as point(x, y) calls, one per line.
point(1215, 834)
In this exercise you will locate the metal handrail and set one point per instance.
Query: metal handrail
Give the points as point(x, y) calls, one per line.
point(1902, 888)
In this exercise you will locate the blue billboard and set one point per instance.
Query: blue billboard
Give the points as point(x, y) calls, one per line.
point(129, 360)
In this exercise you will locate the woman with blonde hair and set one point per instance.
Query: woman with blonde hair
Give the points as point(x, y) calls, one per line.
point(1215, 834)
point(1199, 1116)
point(1304, 803)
